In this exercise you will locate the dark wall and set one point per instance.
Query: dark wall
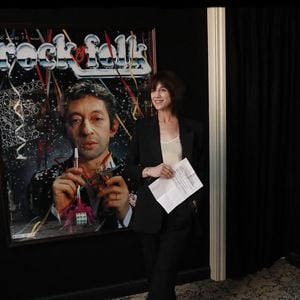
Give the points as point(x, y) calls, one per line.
point(94, 262)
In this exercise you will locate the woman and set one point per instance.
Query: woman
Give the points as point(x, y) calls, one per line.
point(158, 143)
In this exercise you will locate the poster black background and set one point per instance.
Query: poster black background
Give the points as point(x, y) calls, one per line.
point(91, 267)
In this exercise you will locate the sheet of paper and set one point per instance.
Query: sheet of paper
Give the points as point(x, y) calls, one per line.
point(171, 192)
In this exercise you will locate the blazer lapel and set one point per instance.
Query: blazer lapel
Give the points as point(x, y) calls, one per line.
point(187, 140)
point(153, 137)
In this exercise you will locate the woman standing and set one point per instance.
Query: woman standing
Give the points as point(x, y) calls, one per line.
point(158, 143)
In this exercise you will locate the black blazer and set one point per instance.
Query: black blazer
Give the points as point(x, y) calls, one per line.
point(145, 151)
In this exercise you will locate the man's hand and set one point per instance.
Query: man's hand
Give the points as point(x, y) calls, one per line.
point(64, 187)
point(117, 195)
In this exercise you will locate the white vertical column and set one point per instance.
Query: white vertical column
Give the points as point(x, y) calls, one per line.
point(217, 140)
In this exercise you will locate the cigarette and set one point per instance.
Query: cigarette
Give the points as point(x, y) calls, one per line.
point(76, 157)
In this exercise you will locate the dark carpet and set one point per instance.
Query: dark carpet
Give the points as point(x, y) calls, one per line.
point(279, 282)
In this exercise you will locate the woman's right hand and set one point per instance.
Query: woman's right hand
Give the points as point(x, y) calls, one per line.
point(162, 170)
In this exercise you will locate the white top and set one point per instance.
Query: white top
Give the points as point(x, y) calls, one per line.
point(171, 151)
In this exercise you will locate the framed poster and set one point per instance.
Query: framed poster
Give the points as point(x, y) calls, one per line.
point(37, 66)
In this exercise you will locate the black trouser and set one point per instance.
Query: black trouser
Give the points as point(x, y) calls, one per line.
point(162, 252)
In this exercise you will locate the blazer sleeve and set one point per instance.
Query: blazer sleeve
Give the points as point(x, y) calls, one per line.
point(133, 169)
point(200, 161)
point(40, 193)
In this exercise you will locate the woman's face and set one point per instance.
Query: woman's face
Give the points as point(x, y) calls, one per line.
point(161, 98)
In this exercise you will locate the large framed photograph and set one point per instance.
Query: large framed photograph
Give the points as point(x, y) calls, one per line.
point(38, 66)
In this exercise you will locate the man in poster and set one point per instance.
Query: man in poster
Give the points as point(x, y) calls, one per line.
point(86, 189)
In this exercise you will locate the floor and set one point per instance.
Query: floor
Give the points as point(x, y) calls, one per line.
point(279, 282)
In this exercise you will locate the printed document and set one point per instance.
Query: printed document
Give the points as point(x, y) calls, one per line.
point(171, 192)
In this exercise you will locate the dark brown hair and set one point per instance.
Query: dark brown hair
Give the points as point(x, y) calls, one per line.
point(173, 84)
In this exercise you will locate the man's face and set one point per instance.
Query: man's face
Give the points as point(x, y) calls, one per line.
point(88, 127)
